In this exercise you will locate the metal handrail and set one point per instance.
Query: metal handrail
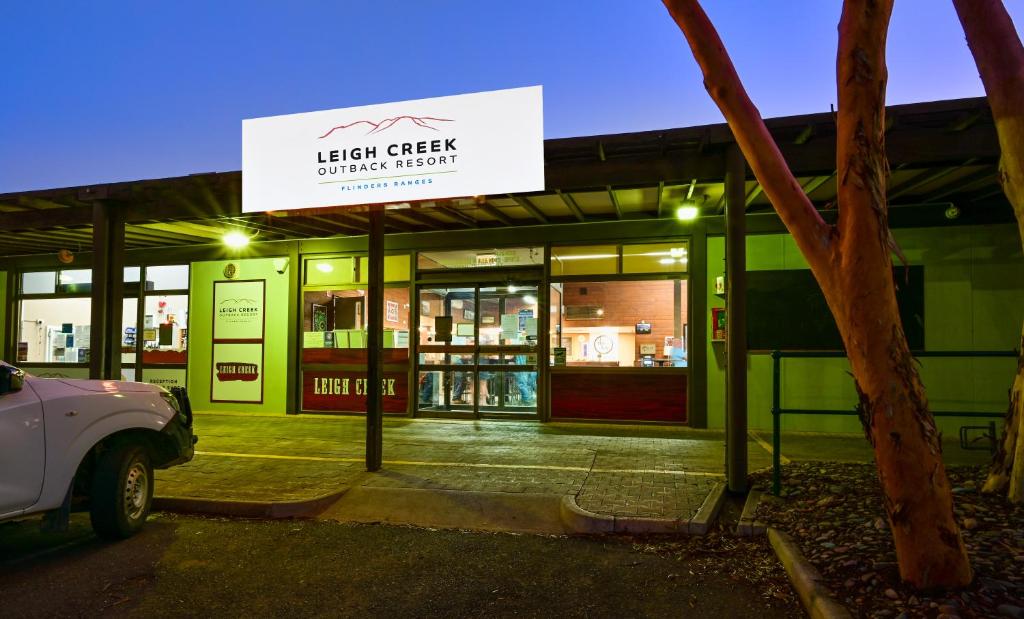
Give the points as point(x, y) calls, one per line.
point(778, 411)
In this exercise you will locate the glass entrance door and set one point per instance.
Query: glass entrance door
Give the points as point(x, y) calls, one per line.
point(478, 350)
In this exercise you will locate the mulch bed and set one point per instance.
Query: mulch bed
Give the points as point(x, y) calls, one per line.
point(834, 512)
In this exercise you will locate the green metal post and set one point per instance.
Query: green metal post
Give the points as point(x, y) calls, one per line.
point(776, 423)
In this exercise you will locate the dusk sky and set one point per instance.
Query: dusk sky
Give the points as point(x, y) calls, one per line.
point(105, 91)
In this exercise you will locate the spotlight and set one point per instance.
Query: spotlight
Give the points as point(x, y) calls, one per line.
point(687, 212)
point(952, 212)
point(235, 239)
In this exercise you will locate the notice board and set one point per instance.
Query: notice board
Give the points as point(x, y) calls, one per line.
point(786, 310)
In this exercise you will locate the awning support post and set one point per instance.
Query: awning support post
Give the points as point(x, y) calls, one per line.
point(736, 321)
point(107, 292)
point(375, 341)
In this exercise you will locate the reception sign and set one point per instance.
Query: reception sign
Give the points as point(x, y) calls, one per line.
point(446, 147)
point(238, 334)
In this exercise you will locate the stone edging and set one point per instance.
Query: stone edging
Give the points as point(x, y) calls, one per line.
point(579, 520)
point(815, 597)
point(271, 510)
point(748, 527)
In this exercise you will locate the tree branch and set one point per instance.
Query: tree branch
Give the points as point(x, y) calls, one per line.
point(810, 231)
point(999, 55)
point(861, 78)
point(997, 52)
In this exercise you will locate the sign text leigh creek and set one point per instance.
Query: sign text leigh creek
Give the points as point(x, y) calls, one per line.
point(343, 386)
point(364, 158)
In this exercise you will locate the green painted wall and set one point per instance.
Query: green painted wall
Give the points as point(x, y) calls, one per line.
point(974, 300)
point(275, 352)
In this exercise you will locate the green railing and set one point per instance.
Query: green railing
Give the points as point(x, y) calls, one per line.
point(778, 411)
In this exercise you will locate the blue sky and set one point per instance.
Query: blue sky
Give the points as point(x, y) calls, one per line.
point(111, 91)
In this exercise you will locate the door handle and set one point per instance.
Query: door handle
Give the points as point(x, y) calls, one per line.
point(71, 414)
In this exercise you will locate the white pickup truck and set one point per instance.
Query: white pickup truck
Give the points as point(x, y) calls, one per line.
point(73, 445)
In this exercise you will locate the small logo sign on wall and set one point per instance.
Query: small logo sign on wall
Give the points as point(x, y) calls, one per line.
point(230, 270)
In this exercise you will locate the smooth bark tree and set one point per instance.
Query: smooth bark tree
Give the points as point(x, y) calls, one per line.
point(852, 262)
point(1000, 58)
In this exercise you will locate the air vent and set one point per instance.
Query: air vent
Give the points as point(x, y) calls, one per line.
point(583, 312)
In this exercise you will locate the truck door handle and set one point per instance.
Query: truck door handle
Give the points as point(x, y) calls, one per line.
point(71, 414)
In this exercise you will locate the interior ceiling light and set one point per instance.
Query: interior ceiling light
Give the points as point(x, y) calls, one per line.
point(512, 288)
point(687, 212)
point(529, 299)
point(235, 239)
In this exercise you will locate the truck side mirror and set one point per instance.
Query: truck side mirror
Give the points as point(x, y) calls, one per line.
point(11, 379)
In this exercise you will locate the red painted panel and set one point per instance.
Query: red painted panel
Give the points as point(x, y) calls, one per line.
point(344, 392)
point(631, 396)
point(352, 356)
point(164, 356)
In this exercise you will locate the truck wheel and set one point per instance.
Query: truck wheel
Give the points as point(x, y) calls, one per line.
point(122, 492)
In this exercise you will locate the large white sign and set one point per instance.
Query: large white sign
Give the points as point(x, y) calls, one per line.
point(464, 145)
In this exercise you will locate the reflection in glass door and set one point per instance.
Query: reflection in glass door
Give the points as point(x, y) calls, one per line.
point(477, 350)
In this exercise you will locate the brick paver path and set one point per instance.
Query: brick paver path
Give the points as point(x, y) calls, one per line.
point(649, 471)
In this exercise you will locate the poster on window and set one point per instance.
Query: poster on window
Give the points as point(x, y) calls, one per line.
point(238, 310)
point(237, 373)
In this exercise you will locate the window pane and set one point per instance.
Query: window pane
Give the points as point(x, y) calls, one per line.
point(555, 307)
point(169, 277)
point(330, 271)
point(76, 276)
point(396, 318)
point(655, 258)
point(396, 269)
point(624, 324)
point(336, 319)
point(447, 315)
point(128, 333)
point(480, 258)
point(165, 329)
point(585, 260)
point(131, 274)
point(54, 331)
point(508, 315)
point(39, 283)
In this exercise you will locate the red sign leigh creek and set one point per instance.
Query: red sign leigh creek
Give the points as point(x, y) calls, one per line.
point(346, 392)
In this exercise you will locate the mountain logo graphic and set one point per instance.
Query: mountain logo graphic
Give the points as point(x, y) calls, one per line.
point(427, 122)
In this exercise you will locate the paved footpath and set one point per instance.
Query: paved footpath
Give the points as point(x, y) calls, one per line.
point(620, 470)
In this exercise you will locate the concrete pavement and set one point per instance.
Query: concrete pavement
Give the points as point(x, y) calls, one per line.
point(615, 470)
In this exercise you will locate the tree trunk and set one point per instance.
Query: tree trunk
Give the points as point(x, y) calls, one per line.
point(999, 55)
point(852, 263)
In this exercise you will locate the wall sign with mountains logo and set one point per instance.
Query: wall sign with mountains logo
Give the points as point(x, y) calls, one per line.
point(446, 147)
point(239, 331)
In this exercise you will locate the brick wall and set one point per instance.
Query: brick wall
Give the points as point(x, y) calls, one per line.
point(627, 303)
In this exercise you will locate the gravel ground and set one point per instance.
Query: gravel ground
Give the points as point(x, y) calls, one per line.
point(834, 511)
point(210, 567)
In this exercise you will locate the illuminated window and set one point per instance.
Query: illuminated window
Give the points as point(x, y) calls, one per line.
point(655, 258)
point(585, 260)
